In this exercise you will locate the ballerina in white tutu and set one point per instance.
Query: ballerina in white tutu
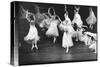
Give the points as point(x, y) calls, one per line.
point(33, 33)
point(53, 30)
point(78, 21)
point(93, 43)
point(77, 18)
point(84, 37)
point(91, 19)
point(66, 26)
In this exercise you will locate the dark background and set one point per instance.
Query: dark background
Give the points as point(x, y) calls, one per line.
point(23, 24)
point(59, 10)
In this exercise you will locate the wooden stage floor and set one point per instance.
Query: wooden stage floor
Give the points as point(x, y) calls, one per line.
point(49, 52)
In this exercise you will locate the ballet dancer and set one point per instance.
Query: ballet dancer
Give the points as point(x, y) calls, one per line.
point(91, 20)
point(66, 26)
point(33, 32)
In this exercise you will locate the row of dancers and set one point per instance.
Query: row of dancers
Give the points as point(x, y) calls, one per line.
point(53, 22)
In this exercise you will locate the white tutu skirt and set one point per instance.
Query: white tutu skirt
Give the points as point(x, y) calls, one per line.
point(91, 19)
point(68, 28)
point(52, 30)
point(33, 34)
point(67, 40)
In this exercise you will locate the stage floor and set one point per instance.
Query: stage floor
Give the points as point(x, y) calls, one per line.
point(49, 52)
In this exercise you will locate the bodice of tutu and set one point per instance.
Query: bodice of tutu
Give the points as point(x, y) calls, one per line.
point(63, 26)
point(77, 20)
point(67, 20)
point(33, 29)
point(53, 24)
point(55, 21)
point(66, 25)
point(91, 19)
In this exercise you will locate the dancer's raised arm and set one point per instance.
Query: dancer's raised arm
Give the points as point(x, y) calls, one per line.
point(28, 15)
point(59, 18)
point(49, 11)
point(25, 14)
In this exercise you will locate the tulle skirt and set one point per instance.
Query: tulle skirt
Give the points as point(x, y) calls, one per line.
point(68, 28)
point(52, 30)
point(32, 34)
point(63, 27)
point(67, 40)
point(91, 19)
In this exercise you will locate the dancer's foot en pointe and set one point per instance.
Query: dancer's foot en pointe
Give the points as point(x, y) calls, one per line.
point(67, 50)
point(32, 46)
point(36, 47)
point(54, 40)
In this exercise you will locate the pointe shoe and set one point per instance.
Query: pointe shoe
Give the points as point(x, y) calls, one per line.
point(32, 47)
point(67, 50)
point(54, 40)
point(36, 47)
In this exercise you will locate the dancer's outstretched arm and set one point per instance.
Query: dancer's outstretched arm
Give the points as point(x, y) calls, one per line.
point(26, 15)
